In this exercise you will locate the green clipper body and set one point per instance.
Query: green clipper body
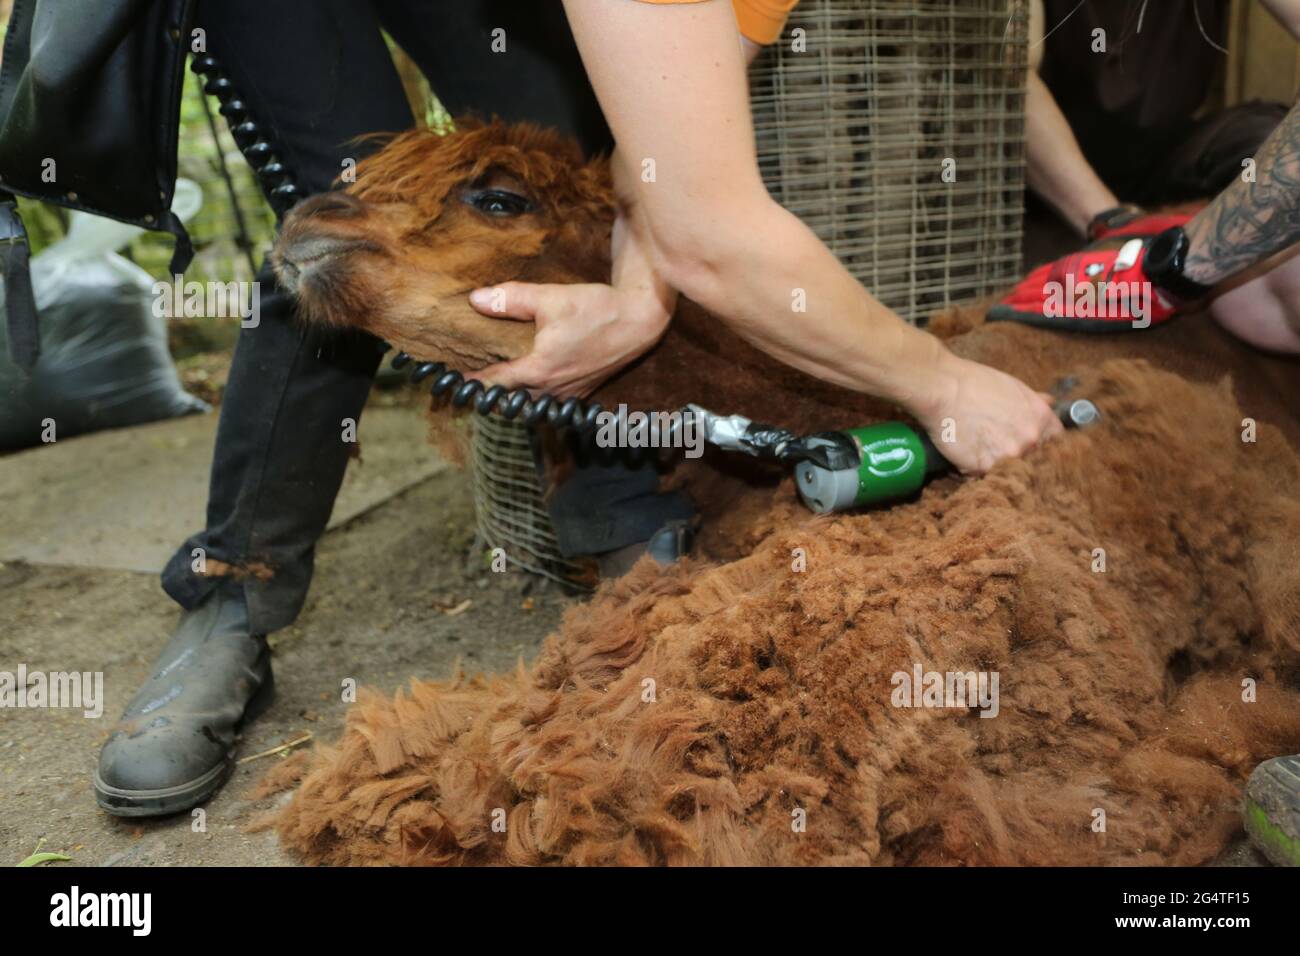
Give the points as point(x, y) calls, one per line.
point(893, 462)
point(887, 462)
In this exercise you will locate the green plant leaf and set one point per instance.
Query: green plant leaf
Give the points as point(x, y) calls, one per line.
point(36, 859)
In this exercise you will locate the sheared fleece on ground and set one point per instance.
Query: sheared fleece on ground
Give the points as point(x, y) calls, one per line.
point(771, 689)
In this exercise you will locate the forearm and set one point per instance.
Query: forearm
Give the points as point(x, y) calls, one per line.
point(1254, 217)
point(771, 280)
point(709, 226)
point(1055, 165)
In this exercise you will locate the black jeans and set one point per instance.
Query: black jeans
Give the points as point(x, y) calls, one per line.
point(317, 74)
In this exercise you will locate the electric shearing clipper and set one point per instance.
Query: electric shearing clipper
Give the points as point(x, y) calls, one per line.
point(856, 467)
point(888, 461)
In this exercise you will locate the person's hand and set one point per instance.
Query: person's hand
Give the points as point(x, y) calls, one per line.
point(585, 333)
point(982, 416)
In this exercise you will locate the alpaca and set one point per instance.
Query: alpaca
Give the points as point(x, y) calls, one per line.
point(1134, 587)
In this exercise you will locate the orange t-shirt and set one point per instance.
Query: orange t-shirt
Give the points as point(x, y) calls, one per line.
point(760, 20)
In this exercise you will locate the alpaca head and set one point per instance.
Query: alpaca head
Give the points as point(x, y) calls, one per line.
point(431, 217)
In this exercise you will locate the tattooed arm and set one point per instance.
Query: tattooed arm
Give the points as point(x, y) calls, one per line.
point(1250, 221)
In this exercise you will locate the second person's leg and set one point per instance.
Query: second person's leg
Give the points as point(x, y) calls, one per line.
point(314, 74)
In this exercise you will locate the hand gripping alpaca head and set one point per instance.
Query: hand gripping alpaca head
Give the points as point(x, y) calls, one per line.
point(431, 217)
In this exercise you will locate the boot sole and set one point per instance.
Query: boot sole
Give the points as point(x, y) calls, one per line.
point(159, 803)
point(184, 796)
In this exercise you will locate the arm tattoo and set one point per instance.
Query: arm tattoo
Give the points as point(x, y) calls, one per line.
point(1250, 221)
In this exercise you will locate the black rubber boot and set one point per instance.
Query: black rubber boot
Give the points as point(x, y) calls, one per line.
point(174, 746)
point(672, 541)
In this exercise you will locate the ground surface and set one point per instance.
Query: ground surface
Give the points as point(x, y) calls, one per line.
point(79, 591)
point(398, 555)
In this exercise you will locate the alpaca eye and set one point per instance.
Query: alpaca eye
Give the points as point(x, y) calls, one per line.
point(498, 202)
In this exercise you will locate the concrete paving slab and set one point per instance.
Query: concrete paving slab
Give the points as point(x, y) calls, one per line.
point(124, 499)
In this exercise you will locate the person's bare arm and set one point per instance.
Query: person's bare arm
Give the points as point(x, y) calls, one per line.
point(585, 332)
point(671, 82)
point(1055, 167)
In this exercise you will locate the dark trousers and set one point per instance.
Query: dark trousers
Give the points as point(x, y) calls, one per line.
point(317, 74)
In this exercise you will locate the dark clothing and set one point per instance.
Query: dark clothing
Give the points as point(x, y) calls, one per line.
point(316, 74)
point(95, 85)
point(89, 114)
point(1146, 80)
point(1198, 159)
point(1134, 106)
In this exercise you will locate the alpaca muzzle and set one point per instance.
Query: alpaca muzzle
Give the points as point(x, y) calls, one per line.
point(297, 260)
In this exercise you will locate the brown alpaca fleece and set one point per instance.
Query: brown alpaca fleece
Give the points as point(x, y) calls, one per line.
point(684, 716)
point(1120, 691)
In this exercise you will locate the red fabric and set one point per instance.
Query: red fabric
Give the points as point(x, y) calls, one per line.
point(1119, 299)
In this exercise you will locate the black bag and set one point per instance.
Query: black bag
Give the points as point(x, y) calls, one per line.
point(93, 86)
point(104, 361)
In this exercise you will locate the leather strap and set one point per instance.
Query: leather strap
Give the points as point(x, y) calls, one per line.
point(183, 251)
point(20, 305)
point(1109, 219)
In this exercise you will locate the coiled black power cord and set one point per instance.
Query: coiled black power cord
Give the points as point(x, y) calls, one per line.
point(248, 135)
point(547, 408)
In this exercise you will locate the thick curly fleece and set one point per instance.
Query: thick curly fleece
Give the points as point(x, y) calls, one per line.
point(1120, 691)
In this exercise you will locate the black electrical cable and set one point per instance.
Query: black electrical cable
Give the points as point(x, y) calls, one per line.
point(488, 399)
point(257, 148)
point(248, 135)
